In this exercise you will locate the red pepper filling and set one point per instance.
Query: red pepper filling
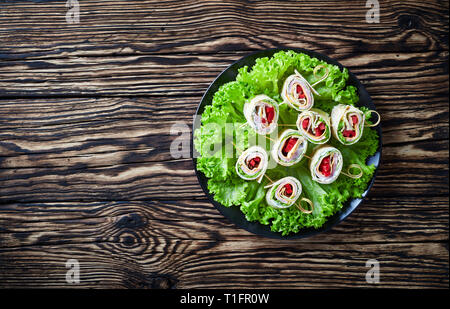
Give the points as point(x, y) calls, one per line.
point(349, 133)
point(320, 129)
point(288, 189)
point(254, 162)
point(270, 113)
point(288, 145)
point(305, 123)
point(300, 93)
point(325, 166)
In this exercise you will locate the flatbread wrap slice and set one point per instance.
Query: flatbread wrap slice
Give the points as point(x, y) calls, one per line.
point(314, 125)
point(262, 114)
point(326, 164)
point(296, 92)
point(284, 192)
point(252, 163)
point(347, 123)
point(289, 148)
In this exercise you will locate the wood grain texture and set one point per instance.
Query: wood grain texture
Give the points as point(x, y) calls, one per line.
point(189, 245)
point(187, 75)
point(378, 220)
point(148, 27)
point(172, 263)
point(86, 112)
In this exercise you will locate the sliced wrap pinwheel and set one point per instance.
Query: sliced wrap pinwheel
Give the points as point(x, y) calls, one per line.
point(315, 126)
point(297, 93)
point(284, 192)
point(261, 114)
point(347, 123)
point(290, 148)
point(252, 163)
point(326, 164)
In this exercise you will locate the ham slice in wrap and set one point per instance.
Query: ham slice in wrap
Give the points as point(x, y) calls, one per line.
point(289, 148)
point(261, 114)
point(314, 125)
point(347, 123)
point(252, 163)
point(326, 164)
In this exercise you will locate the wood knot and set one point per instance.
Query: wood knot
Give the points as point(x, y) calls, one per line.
point(153, 281)
point(409, 22)
point(128, 240)
point(131, 221)
point(162, 282)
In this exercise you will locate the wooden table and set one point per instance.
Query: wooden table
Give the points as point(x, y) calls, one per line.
point(85, 168)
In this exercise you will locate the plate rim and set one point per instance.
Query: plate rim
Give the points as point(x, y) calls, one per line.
point(254, 227)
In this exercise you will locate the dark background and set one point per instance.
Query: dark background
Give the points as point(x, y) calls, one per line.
point(85, 168)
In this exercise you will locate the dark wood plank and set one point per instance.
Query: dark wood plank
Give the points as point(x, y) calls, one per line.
point(184, 75)
point(378, 220)
point(162, 262)
point(143, 27)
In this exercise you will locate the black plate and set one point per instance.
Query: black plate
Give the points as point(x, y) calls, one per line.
point(233, 213)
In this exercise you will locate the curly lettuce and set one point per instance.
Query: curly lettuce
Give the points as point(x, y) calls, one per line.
point(267, 77)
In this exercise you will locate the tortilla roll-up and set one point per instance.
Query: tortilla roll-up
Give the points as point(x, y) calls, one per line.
point(315, 126)
point(252, 163)
point(290, 148)
point(297, 93)
point(261, 114)
point(347, 123)
point(284, 192)
point(326, 164)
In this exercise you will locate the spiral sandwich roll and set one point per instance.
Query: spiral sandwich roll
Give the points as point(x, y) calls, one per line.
point(326, 164)
point(252, 163)
point(347, 123)
point(290, 148)
point(261, 114)
point(297, 93)
point(284, 192)
point(315, 126)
